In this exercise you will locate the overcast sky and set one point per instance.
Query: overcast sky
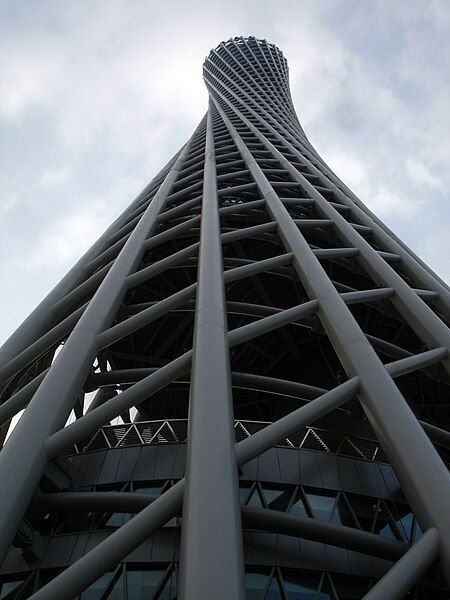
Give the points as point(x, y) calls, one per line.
point(95, 96)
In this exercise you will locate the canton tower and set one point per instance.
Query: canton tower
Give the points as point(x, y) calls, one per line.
point(240, 391)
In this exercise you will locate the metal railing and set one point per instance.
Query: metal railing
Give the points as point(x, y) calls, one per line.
point(175, 431)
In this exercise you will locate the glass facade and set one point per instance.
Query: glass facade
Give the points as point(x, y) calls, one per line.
point(132, 582)
point(393, 520)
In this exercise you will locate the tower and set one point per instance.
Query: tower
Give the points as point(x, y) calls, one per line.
point(241, 390)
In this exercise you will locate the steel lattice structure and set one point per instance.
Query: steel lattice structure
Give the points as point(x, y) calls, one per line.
point(250, 306)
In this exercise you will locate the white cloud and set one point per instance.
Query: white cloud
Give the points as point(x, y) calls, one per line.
point(97, 96)
point(420, 175)
point(68, 238)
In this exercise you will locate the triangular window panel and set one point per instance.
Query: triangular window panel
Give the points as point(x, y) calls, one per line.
point(9, 589)
point(383, 525)
point(96, 589)
point(404, 520)
point(321, 504)
point(342, 514)
point(350, 588)
point(141, 585)
point(274, 591)
point(298, 506)
point(255, 585)
point(276, 498)
point(300, 586)
point(244, 490)
point(326, 592)
point(255, 499)
point(169, 591)
point(364, 509)
point(116, 592)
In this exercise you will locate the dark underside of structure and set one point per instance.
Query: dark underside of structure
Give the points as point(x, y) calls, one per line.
point(240, 391)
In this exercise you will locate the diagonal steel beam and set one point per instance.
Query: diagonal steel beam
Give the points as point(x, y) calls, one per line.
point(54, 399)
point(412, 455)
point(121, 542)
point(400, 579)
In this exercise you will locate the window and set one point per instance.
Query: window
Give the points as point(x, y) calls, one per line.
point(383, 525)
point(276, 498)
point(349, 588)
point(342, 514)
point(8, 589)
point(96, 589)
point(169, 591)
point(116, 520)
point(255, 499)
point(298, 506)
point(142, 585)
point(255, 584)
point(300, 586)
point(322, 504)
point(244, 491)
point(364, 509)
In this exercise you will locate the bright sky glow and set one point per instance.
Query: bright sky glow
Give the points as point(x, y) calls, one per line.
point(96, 96)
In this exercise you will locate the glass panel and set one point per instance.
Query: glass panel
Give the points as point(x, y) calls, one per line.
point(255, 584)
point(75, 522)
point(150, 488)
point(95, 590)
point(383, 526)
point(326, 592)
point(172, 523)
point(142, 585)
point(298, 506)
point(364, 509)
point(117, 590)
point(342, 515)
point(417, 532)
point(255, 499)
point(116, 520)
point(277, 499)
point(274, 592)
point(9, 589)
point(300, 586)
point(244, 489)
point(322, 504)
point(156, 489)
point(169, 591)
point(350, 589)
point(403, 519)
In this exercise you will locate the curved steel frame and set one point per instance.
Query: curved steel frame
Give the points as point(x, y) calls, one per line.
point(250, 123)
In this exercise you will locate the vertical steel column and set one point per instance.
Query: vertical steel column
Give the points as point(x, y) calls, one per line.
point(42, 317)
point(414, 266)
point(422, 474)
point(425, 323)
point(50, 407)
point(211, 543)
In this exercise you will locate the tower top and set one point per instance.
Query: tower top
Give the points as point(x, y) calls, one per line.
point(245, 45)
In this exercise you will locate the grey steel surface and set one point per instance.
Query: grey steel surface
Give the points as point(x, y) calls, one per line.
point(174, 297)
